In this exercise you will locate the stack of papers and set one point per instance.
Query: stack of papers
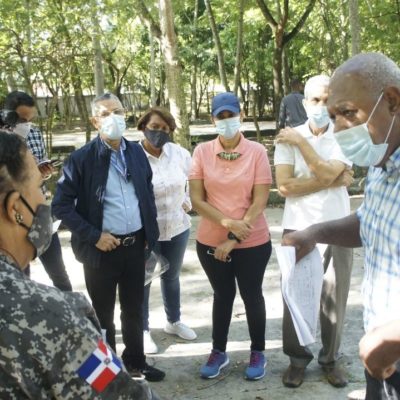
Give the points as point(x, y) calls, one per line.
point(301, 289)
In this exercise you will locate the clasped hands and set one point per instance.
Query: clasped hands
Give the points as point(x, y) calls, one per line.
point(240, 228)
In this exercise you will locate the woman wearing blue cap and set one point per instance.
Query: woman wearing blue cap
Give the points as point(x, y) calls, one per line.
point(229, 188)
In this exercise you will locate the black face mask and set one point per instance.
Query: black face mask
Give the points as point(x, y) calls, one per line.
point(9, 118)
point(157, 138)
point(41, 230)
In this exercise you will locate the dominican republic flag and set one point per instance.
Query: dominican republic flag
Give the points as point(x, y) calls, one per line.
point(100, 368)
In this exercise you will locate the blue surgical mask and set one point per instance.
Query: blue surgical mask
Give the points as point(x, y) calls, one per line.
point(357, 145)
point(227, 127)
point(113, 126)
point(318, 115)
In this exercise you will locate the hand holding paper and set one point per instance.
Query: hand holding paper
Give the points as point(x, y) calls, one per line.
point(301, 289)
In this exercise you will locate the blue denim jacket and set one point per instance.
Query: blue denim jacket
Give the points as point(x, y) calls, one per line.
point(79, 196)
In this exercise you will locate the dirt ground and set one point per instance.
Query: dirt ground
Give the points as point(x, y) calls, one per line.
point(181, 360)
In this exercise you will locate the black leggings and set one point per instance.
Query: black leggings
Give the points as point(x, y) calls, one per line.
point(247, 267)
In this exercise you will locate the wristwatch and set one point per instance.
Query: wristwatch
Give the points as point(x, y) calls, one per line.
point(232, 236)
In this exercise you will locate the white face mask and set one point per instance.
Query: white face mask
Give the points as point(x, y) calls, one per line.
point(318, 115)
point(113, 126)
point(357, 145)
point(228, 127)
point(22, 129)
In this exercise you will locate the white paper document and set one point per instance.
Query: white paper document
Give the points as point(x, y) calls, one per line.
point(301, 289)
point(56, 225)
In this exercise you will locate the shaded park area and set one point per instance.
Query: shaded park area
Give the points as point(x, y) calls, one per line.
point(182, 360)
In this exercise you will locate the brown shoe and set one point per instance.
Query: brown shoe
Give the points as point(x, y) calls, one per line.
point(335, 375)
point(293, 376)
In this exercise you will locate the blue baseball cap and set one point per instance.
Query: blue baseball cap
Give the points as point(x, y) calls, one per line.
point(225, 102)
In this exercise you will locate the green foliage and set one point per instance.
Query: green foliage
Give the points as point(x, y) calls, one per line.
point(47, 45)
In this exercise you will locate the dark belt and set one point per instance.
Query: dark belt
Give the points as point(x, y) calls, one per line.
point(129, 239)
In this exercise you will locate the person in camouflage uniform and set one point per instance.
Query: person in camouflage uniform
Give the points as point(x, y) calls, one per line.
point(50, 341)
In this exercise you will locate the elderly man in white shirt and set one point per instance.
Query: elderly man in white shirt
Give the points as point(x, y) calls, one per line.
point(170, 164)
point(312, 173)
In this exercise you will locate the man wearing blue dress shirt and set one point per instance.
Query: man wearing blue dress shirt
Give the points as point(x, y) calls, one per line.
point(105, 197)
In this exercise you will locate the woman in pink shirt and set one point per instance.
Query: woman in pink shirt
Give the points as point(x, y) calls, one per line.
point(229, 188)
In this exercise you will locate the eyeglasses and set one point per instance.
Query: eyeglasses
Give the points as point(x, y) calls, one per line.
point(107, 113)
point(211, 252)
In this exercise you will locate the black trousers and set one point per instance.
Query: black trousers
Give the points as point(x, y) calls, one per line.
point(122, 268)
point(53, 263)
point(389, 389)
point(247, 268)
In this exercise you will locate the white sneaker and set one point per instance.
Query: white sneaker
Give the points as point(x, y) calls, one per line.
point(148, 343)
point(181, 330)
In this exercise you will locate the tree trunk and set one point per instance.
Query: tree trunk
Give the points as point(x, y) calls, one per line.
point(11, 84)
point(220, 53)
point(354, 27)
point(173, 70)
point(193, 81)
point(97, 53)
point(254, 112)
point(285, 72)
point(281, 38)
point(239, 46)
point(277, 72)
point(153, 98)
point(75, 73)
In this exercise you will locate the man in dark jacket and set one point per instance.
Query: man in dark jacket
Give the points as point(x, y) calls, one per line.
point(292, 112)
point(105, 197)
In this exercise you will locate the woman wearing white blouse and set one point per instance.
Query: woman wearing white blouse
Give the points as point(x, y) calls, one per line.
point(170, 164)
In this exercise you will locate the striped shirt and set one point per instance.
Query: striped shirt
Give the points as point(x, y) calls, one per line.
point(379, 217)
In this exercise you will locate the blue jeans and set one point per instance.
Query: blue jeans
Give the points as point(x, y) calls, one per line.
point(173, 250)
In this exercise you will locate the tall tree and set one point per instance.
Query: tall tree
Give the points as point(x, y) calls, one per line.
point(239, 46)
point(281, 38)
point(218, 45)
point(354, 20)
point(193, 98)
point(97, 53)
point(173, 71)
point(153, 99)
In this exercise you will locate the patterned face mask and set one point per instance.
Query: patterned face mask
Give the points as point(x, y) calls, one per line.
point(41, 230)
point(229, 156)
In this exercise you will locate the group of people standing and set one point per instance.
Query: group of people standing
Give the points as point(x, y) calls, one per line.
point(121, 200)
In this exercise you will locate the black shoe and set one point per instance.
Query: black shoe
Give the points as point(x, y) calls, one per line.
point(152, 374)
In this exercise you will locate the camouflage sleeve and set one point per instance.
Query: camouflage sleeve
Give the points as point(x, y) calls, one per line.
point(50, 349)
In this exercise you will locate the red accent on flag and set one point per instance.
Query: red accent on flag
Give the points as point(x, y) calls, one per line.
point(102, 381)
point(101, 345)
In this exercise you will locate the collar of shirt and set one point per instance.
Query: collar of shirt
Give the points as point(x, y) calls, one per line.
point(306, 131)
point(240, 148)
point(107, 146)
point(392, 165)
point(118, 162)
point(165, 151)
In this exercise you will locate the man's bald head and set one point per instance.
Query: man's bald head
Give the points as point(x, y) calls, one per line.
point(366, 88)
point(375, 70)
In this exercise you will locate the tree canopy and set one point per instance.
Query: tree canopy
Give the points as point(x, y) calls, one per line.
point(51, 47)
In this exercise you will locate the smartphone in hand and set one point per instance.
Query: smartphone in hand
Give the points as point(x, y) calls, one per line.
point(54, 163)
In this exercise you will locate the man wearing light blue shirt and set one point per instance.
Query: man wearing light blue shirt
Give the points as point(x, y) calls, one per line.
point(364, 100)
point(105, 197)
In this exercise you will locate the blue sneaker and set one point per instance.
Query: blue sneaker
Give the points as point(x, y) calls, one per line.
point(216, 361)
point(256, 368)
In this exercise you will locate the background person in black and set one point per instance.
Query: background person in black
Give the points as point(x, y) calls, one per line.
point(292, 112)
point(16, 117)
